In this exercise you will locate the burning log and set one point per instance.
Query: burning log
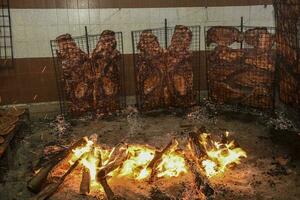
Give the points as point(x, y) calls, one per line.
point(157, 158)
point(50, 189)
point(38, 180)
point(116, 159)
point(85, 181)
point(193, 160)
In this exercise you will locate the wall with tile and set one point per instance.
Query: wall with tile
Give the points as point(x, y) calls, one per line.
point(34, 28)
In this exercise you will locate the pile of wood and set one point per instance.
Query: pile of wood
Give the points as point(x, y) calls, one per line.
point(165, 76)
point(91, 83)
point(287, 28)
point(44, 185)
point(9, 121)
point(244, 75)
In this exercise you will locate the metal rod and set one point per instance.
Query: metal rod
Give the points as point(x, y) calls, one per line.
point(87, 40)
point(166, 33)
point(242, 29)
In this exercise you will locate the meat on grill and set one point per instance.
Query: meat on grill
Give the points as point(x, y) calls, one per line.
point(90, 82)
point(223, 36)
point(223, 54)
point(259, 38)
point(264, 61)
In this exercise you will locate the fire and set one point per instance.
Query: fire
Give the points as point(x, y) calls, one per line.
point(136, 165)
point(220, 156)
point(172, 165)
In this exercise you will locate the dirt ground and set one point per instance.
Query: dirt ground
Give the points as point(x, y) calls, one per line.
point(270, 172)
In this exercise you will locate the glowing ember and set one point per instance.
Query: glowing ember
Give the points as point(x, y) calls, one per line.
point(135, 166)
point(220, 156)
point(172, 165)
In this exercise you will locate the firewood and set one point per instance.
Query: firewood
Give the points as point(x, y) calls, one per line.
point(200, 179)
point(38, 180)
point(157, 158)
point(50, 189)
point(115, 161)
point(1, 140)
point(193, 159)
point(85, 181)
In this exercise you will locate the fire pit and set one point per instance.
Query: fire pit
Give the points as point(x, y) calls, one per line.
point(201, 159)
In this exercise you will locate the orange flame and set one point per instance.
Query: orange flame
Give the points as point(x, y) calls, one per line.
point(220, 156)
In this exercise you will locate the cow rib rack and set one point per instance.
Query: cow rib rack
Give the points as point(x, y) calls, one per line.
point(90, 82)
point(165, 75)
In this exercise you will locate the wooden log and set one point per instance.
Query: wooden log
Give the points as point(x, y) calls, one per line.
point(193, 159)
point(157, 158)
point(50, 189)
point(200, 179)
point(115, 161)
point(85, 181)
point(38, 180)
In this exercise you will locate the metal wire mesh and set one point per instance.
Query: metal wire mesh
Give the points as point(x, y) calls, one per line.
point(87, 44)
point(155, 100)
point(6, 50)
point(241, 65)
point(287, 15)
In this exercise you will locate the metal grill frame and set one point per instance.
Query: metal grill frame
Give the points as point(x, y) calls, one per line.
point(288, 28)
point(6, 46)
point(164, 35)
point(87, 43)
point(246, 48)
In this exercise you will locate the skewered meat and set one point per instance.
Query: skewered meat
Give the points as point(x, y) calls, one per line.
point(223, 54)
point(259, 38)
point(165, 76)
point(222, 93)
point(253, 77)
point(221, 73)
point(223, 36)
point(260, 60)
point(263, 98)
point(150, 70)
point(179, 67)
point(287, 87)
point(90, 82)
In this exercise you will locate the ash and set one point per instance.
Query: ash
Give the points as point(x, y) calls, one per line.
point(270, 171)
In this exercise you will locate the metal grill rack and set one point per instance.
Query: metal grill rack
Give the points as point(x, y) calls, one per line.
point(6, 49)
point(164, 36)
point(287, 14)
point(241, 66)
point(87, 43)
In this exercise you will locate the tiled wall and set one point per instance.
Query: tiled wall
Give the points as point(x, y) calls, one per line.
point(34, 28)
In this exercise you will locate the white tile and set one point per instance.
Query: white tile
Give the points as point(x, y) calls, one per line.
point(73, 16)
point(52, 32)
point(20, 49)
point(94, 16)
point(215, 14)
point(108, 16)
point(84, 16)
point(18, 33)
point(63, 29)
point(62, 16)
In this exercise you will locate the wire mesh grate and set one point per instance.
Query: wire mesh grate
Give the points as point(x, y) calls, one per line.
point(90, 73)
point(241, 65)
point(166, 66)
point(287, 15)
point(6, 49)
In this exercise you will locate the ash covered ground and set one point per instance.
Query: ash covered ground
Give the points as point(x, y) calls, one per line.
point(271, 170)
